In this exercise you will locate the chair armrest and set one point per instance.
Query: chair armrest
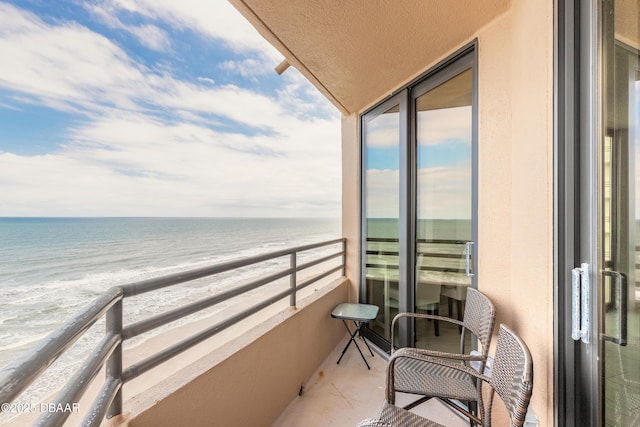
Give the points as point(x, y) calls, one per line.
point(421, 352)
point(410, 353)
point(419, 316)
point(372, 423)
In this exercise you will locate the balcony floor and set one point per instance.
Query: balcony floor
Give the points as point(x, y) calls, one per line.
point(345, 394)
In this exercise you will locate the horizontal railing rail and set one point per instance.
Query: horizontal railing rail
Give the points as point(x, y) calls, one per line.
point(396, 240)
point(17, 376)
point(434, 261)
point(422, 268)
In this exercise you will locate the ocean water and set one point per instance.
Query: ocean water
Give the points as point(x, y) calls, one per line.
point(439, 229)
point(50, 268)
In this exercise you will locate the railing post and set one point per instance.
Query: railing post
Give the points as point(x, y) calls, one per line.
point(293, 280)
point(114, 363)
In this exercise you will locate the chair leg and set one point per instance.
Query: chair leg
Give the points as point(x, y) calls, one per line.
point(420, 401)
point(436, 324)
point(459, 309)
point(473, 408)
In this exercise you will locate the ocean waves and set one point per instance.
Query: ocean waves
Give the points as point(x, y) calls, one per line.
point(51, 268)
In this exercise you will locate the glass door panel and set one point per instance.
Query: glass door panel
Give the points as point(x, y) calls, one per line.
point(444, 241)
point(381, 223)
point(419, 202)
point(618, 288)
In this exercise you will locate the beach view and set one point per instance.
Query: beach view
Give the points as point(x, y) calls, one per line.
point(50, 268)
point(140, 140)
point(302, 213)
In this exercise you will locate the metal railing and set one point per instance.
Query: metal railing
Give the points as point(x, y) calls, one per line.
point(17, 376)
point(434, 261)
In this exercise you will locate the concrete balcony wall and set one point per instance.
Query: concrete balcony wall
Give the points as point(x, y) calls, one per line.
point(250, 381)
point(351, 199)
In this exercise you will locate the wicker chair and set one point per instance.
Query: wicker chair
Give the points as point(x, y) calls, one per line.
point(427, 294)
point(511, 378)
point(423, 378)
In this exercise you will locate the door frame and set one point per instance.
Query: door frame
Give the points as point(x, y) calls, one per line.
point(399, 99)
point(463, 59)
point(577, 126)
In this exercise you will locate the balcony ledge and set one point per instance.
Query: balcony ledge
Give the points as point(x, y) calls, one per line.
point(252, 378)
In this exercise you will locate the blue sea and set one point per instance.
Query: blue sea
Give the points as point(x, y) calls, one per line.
point(52, 267)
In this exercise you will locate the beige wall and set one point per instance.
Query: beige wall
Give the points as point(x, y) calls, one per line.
point(351, 198)
point(516, 182)
point(515, 212)
point(251, 380)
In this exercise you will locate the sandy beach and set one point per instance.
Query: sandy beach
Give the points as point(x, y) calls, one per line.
point(170, 336)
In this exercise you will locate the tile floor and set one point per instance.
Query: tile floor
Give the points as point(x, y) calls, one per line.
point(345, 394)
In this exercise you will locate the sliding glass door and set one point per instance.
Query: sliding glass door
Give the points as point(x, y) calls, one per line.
point(382, 131)
point(419, 204)
point(444, 241)
point(618, 294)
point(598, 294)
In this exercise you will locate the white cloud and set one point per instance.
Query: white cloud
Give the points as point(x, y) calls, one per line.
point(152, 37)
point(215, 18)
point(383, 189)
point(207, 80)
point(300, 97)
point(64, 65)
point(438, 126)
point(140, 166)
point(248, 68)
point(68, 66)
point(148, 35)
point(229, 101)
point(127, 158)
point(384, 130)
point(443, 193)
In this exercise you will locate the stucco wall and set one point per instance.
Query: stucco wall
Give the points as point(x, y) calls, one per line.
point(515, 212)
point(351, 198)
point(251, 380)
point(516, 182)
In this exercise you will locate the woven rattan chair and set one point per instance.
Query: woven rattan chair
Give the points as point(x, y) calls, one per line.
point(511, 378)
point(427, 294)
point(426, 379)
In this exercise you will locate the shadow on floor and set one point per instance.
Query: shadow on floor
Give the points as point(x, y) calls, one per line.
point(345, 394)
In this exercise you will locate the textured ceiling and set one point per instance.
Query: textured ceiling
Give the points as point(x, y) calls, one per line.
point(358, 51)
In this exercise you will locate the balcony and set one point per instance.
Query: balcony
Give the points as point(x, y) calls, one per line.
point(275, 366)
point(272, 346)
point(344, 394)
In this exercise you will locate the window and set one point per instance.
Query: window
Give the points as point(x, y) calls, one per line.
point(419, 202)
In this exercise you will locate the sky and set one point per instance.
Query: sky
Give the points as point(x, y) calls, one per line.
point(443, 164)
point(157, 108)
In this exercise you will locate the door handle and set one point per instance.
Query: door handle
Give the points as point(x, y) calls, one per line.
point(467, 255)
point(580, 314)
point(620, 281)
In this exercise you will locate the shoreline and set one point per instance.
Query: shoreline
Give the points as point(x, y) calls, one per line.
point(151, 345)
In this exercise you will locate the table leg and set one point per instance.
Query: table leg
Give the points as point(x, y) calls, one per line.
point(359, 325)
point(352, 336)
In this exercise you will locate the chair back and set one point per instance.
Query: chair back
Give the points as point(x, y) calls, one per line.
point(479, 317)
point(512, 375)
point(427, 289)
point(427, 294)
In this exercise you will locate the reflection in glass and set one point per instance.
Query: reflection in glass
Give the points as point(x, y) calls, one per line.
point(382, 187)
point(444, 206)
point(619, 293)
